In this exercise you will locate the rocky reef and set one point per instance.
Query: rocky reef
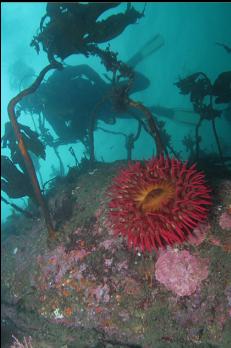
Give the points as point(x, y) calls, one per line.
point(87, 289)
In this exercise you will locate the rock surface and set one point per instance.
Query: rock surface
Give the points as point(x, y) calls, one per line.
point(88, 290)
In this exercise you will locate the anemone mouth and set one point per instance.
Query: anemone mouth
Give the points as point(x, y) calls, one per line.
point(158, 204)
point(155, 197)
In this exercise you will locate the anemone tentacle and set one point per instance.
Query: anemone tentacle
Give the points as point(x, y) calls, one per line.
point(158, 203)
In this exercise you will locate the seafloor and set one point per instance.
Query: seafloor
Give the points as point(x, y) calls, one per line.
point(86, 289)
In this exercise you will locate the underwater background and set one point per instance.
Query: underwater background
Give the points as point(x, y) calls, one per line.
point(137, 81)
point(189, 33)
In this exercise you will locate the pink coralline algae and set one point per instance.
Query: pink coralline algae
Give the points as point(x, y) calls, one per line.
point(56, 264)
point(225, 221)
point(199, 234)
point(101, 293)
point(107, 244)
point(180, 271)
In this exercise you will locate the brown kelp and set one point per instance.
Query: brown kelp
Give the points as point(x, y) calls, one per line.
point(23, 149)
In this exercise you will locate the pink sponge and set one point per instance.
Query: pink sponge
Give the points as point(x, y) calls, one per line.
point(180, 271)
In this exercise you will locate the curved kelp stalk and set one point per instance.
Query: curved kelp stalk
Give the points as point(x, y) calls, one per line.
point(151, 123)
point(27, 159)
point(17, 208)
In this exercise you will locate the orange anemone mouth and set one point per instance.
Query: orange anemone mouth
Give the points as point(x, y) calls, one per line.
point(158, 203)
point(154, 197)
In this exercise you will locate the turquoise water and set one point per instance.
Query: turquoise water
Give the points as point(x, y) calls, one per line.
point(188, 33)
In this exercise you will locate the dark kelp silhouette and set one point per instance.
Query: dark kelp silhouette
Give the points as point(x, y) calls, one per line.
point(14, 182)
point(67, 33)
point(72, 28)
point(31, 140)
point(199, 87)
point(67, 98)
point(70, 97)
